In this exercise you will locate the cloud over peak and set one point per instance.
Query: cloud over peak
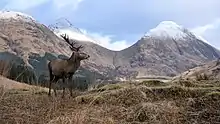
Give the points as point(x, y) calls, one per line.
point(210, 32)
point(23, 4)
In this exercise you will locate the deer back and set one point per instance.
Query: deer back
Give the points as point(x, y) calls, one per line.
point(58, 66)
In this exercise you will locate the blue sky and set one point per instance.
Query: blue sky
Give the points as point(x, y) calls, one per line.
point(120, 23)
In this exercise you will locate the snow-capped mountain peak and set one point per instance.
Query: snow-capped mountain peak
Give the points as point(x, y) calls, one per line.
point(64, 26)
point(15, 15)
point(167, 29)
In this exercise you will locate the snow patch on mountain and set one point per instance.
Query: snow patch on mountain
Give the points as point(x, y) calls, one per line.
point(15, 15)
point(167, 29)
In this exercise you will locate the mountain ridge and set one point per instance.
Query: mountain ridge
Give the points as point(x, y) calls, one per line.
point(150, 55)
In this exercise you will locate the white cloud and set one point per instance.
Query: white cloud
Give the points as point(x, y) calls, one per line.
point(212, 26)
point(187, 11)
point(107, 42)
point(23, 4)
point(210, 32)
point(98, 38)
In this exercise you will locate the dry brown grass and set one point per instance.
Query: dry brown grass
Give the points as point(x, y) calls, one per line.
point(126, 103)
point(10, 84)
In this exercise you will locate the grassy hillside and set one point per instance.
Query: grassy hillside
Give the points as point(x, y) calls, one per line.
point(153, 102)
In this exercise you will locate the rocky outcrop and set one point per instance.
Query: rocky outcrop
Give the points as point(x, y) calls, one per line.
point(207, 71)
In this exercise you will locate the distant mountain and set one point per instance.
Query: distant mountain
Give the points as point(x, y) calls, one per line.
point(167, 50)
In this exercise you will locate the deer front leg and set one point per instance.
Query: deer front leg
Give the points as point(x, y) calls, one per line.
point(64, 82)
point(54, 89)
point(70, 83)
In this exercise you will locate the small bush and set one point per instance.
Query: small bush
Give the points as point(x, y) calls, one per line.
point(203, 76)
point(153, 83)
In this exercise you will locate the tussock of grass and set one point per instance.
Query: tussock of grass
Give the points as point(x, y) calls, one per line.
point(151, 112)
point(135, 95)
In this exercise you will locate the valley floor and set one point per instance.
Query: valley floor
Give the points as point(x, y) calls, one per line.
point(153, 102)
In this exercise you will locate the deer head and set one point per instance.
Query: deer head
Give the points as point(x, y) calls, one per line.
point(76, 55)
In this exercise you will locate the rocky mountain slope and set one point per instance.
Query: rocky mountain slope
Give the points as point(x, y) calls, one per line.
point(166, 50)
point(24, 40)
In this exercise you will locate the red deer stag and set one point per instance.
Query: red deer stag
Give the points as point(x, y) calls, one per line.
point(62, 69)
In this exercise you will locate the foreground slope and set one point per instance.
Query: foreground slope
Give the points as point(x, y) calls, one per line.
point(146, 102)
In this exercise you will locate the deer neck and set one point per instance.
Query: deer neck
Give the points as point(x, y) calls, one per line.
point(74, 63)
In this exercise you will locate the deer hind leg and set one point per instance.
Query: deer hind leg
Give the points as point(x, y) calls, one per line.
point(54, 90)
point(53, 81)
point(49, 94)
point(55, 85)
point(50, 83)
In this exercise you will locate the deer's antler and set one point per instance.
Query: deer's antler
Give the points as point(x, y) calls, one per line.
point(66, 38)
